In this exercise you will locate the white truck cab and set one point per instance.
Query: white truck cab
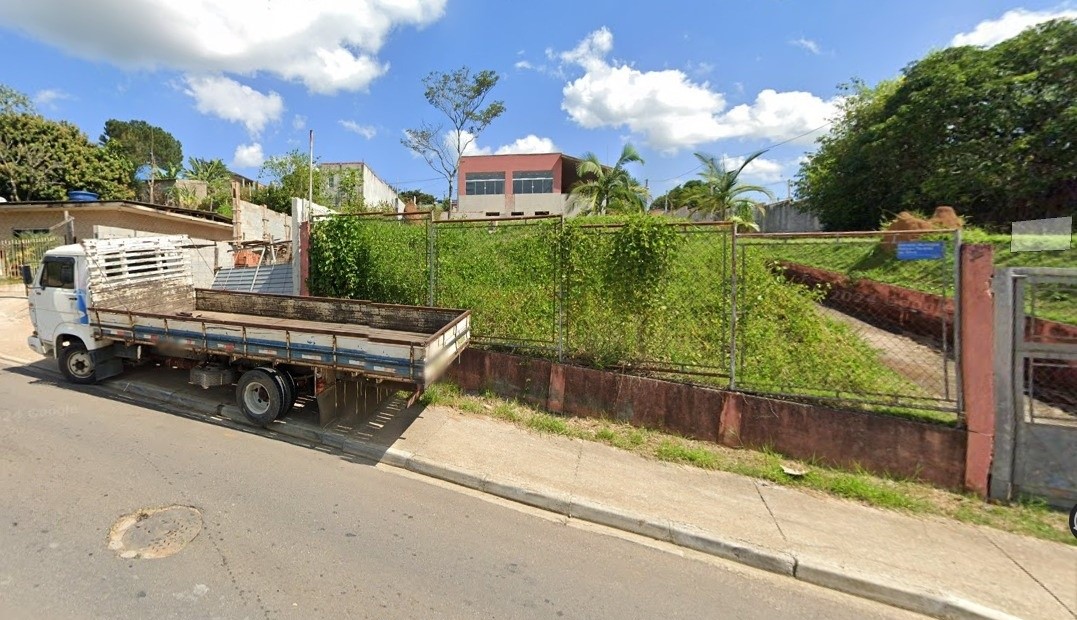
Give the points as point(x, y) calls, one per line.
point(59, 296)
point(58, 299)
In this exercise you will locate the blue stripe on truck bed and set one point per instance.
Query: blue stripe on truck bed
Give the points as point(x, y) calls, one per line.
point(300, 352)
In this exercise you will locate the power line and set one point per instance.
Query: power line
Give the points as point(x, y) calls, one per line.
point(396, 183)
point(767, 148)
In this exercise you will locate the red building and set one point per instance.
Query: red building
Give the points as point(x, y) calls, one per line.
point(506, 185)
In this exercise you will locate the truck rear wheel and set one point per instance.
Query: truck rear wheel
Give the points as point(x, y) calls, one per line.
point(291, 390)
point(77, 365)
point(260, 396)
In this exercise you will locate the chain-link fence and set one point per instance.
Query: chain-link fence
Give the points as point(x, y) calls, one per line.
point(886, 299)
point(857, 319)
point(508, 273)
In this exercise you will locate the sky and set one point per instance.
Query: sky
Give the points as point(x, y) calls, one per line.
point(247, 79)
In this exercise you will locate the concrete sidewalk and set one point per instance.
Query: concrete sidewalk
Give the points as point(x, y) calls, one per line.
point(934, 566)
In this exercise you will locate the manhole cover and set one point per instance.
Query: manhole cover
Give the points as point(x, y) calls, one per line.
point(154, 532)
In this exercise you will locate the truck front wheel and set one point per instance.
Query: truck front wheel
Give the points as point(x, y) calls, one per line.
point(260, 396)
point(77, 364)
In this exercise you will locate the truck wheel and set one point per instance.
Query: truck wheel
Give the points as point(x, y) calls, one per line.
point(287, 386)
point(260, 396)
point(76, 364)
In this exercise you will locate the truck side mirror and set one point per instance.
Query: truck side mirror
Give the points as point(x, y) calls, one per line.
point(27, 275)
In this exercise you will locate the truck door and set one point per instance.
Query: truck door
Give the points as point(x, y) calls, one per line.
point(54, 300)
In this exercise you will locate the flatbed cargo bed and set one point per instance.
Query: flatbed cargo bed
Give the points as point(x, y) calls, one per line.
point(407, 344)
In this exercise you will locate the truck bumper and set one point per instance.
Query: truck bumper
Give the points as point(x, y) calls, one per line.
point(35, 343)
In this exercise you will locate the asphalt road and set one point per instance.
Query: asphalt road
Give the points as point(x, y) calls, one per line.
point(297, 532)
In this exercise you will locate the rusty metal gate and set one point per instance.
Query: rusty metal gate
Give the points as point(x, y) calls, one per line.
point(1036, 384)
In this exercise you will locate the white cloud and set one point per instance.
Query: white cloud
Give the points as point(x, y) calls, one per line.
point(523, 64)
point(228, 99)
point(807, 44)
point(778, 116)
point(528, 144)
point(760, 171)
point(50, 96)
point(700, 69)
point(248, 156)
point(671, 111)
point(992, 31)
point(466, 138)
point(299, 122)
point(366, 131)
point(328, 45)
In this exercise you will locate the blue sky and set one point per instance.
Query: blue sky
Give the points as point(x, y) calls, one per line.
point(247, 79)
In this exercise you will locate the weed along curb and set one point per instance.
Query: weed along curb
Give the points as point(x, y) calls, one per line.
point(876, 588)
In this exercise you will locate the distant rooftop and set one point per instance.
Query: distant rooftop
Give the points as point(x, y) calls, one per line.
point(76, 204)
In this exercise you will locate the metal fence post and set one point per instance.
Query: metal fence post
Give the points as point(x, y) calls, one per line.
point(733, 310)
point(431, 260)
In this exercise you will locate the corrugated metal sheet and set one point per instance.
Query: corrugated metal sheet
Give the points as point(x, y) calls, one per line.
point(272, 279)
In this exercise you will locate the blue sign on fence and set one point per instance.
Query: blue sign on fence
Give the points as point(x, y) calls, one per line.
point(919, 250)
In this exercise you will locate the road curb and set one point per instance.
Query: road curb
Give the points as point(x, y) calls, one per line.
point(920, 600)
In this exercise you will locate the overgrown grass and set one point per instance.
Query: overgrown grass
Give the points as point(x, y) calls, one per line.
point(1029, 518)
point(868, 259)
point(635, 294)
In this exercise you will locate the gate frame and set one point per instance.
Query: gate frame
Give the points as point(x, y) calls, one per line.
point(1009, 376)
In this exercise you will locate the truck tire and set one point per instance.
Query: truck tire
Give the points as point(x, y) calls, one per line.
point(288, 388)
point(260, 396)
point(77, 365)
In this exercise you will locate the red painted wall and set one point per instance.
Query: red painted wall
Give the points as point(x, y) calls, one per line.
point(877, 443)
point(508, 164)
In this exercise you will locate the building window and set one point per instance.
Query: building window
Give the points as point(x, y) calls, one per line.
point(19, 233)
point(493, 213)
point(532, 182)
point(484, 183)
point(542, 212)
point(515, 213)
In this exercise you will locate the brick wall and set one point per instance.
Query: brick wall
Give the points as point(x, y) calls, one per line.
point(877, 443)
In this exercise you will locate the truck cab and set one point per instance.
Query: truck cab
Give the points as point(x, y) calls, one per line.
point(61, 292)
point(58, 297)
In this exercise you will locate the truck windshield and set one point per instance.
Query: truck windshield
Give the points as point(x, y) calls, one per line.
point(58, 273)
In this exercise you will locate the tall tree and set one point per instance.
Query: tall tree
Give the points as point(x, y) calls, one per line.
point(14, 102)
point(218, 180)
point(40, 159)
point(680, 196)
point(417, 196)
point(148, 147)
point(287, 176)
point(603, 189)
point(987, 130)
point(461, 97)
point(723, 195)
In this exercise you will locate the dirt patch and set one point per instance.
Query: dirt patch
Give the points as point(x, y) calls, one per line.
point(152, 533)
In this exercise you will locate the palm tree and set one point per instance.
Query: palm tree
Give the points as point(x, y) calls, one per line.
point(602, 188)
point(218, 181)
point(723, 195)
point(208, 170)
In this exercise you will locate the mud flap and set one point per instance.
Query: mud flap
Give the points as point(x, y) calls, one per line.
point(105, 362)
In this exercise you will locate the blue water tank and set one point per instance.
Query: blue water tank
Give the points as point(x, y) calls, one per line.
point(81, 196)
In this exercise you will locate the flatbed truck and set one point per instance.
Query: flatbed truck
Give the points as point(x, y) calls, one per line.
point(102, 305)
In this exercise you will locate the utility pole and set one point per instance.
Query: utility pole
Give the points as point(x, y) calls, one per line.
point(153, 171)
point(310, 173)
